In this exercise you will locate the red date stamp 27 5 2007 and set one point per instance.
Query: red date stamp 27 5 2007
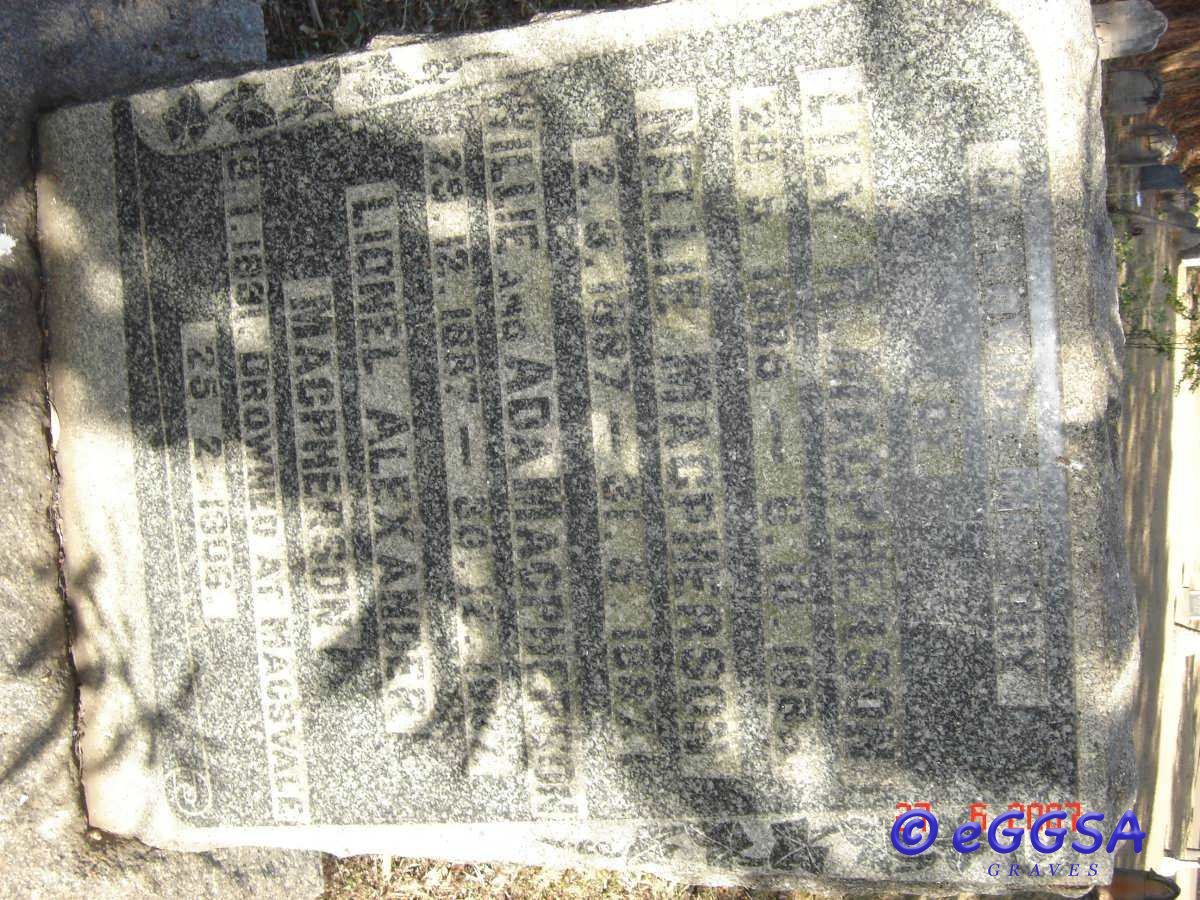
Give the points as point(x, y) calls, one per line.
point(916, 827)
point(978, 812)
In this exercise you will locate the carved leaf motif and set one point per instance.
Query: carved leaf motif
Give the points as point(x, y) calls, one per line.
point(796, 848)
point(660, 842)
point(245, 108)
point(312, 91)
point(726, 843)
point(188, 789)
point(185, 120)
point(380, 79)
point(441, 70)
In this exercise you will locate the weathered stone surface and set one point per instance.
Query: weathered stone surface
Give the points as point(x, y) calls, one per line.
point(54, 51)
point(1127, 27)
point(1161, 178)
point(1132, 92)
point(1146, 144)
point(668, 438)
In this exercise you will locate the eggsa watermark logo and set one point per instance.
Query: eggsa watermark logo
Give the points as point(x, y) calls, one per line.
point(916, 831)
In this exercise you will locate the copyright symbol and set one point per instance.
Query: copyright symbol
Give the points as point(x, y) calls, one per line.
point(914, 832)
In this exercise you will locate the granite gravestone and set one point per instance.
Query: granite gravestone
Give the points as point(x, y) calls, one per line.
point(1132, 92)
point(1145, 144)
point(1127, 27)
point(667, 439)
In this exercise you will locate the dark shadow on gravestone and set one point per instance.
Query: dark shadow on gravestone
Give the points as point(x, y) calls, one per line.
point(311, 171)
point(361, 537)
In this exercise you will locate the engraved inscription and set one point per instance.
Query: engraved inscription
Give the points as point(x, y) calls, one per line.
point(324, 499)
point(589, 435)
point(940, 583)
point(487, 697)
point(266, 551)
point(937, 427)
point(851, 344)
point(677, 263)
point(532, 441)
point(1009, 407)
point(246, 261)
point(385, 407)
point(270, 595)
point(771, 306)
point(604, 298)
point(206, 452)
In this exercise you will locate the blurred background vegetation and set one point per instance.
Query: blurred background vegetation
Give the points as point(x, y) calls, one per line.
point(297, 29)
point(1177, 61)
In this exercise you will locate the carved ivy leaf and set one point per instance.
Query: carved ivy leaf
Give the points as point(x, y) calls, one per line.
point(796, 848)
point(441, 70)
point(245, 108)
point(726, 843)
point(380, 79)
point(185, 120)
point(312, 91)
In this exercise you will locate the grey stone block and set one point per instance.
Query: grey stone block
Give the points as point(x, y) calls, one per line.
point(1161, 178)
point(1132, 92)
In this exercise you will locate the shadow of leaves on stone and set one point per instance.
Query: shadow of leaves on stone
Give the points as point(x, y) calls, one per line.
point(340, 680)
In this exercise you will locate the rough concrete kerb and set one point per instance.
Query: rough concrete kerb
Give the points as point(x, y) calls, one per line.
point(67, 52)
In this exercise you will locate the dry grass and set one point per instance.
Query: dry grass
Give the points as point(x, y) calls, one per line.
point(366, 878)
point(297, 29)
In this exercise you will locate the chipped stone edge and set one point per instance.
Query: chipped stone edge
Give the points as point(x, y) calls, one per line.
point(104, 568)
point(1105, 612)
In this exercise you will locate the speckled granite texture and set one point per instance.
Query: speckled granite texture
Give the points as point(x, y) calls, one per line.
point(666, 439)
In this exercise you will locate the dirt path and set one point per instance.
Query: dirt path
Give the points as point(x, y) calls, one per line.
point(1159, 432)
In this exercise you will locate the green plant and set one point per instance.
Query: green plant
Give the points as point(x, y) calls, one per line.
point(1134, 296)
point(1188, 309)
point(1123, 245)
point(1170, 282)
point(1154, 324)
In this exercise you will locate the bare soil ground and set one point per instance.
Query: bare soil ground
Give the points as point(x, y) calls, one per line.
point(364, 878)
